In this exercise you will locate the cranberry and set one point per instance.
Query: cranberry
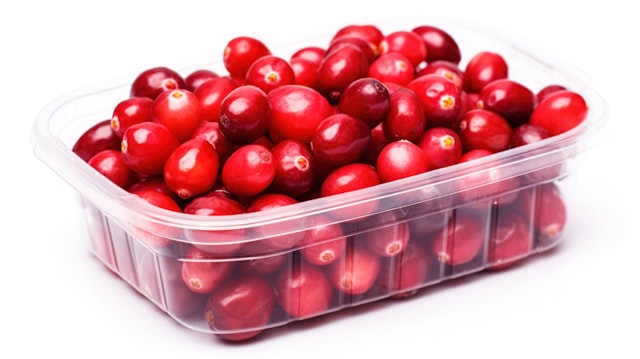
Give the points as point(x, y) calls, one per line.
point(130, 111)
point(442, 147)
point(241, 52)
point(487, 182)
point(264, 265)
point(408, 43)
point(378, 140)
point(368, 52)
point(560, 112)
point(211, 93)
point(211, 132)
point(303, 290)
point(219, 242)
point(484, 129)
point(470, 101)
point(349, 178)
point(370, 33)
point(245, 114)
point(192, 168)
point(295, 168)
point(444, 68)
point(546, 208)
point(356, 271)
point(462, 239)
point(508, 98)
point(179, 110)
point(405, 273)
point(440, 98)
point(483, 68)
point(313, 54)
point(154, 236)
point(548, 90)
point(155, 183)
point(151, 82)
point(509, 241)
point(296, 111)
point(305, 72)
point(405, 119)
point(180, 301)
point(392, 67)
point(383, 234)
point(340, 139)
point(249, 170)
point(110, 164)
point(440, 44)
point(290, 238)
point(527, 133)
point(146, 146)
point(202, 272)
point(198, 77)
point(401, 159)
point(97, 138)
point(339, 69)
point(366, 99)
point(324, 242)
point(240, 308)
point(269, 72)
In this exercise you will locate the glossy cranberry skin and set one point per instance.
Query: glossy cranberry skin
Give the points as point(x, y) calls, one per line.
point(179, 110)
point(510, 240)
point(269, 72)
point(296, 111)
point(408, 43)
point(461, 241)
point(384, 234)
point(289, 238)
point(146, 146)
point(528, 133)
point(211, 93)
point(347, 178)
point(370, 33)
point(483, 68)
point(405, 119)
point(440, 44)
point(340, 139)
point(295, 168)
point(440, 99)
point(242, 306)
point(510, 99)
point(560, 112)
point(487, 182)
point(305, 72)
point(202, 273)
point(241, 52)
point(245, 114)
point(362, 44)
point(110, 164)
point(211, 132)
point(392, 67)
point(303, 290)
point(130, 111)
point(339, 69)
point(545, 207)
point(356, 272)
point(548, 90)
point(96, 138)
point(403, 274)
point(442, 147)
point(249, 170)
point(444, 68)
point(378, 140)
point(366, 99)
point(153, 183)
point(313, 54)
point(151, 82)
point(400, 159)
point(158, 236)
point(192, 168)
point(484, 129)
point(198, 77)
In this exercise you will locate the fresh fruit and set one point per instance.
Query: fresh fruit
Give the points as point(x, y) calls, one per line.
point(560, 112)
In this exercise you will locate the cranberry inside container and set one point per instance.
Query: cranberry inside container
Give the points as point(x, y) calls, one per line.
point(320, 255)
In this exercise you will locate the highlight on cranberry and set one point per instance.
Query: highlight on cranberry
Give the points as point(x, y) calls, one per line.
point(366, 109)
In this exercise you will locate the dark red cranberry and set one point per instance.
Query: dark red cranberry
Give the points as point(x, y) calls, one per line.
point(508, 98)
point(340, 139)
point(483, 68)
point(339, 69)
point(440, 44)
point(484, 129)
point(366, 99)
point(97, 138)
point(245, 114)
point(151, 82)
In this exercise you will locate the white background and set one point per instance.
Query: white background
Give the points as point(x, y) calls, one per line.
point(57, 299)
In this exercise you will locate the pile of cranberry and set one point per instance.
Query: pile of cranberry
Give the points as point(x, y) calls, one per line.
point(367, 108)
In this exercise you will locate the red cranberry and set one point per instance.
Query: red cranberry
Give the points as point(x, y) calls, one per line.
point(303, 290)
point(401, 159)
point(295, 168)
point(408, 43)
point(290, 238)
point(528, 133)
point(546, 208)
point(197, 78)
point(202, 272)
point(151, 82)
point(405, 273)
point(509, 241)
point(192, 168)
point(349, 178)
point(211, 93)
point(130, 111)
point(146, 146)
point(440, 44)
point(249, 170)
point(340, 68)
point(245, 114)
point(560, 112)
point(366, 99)
point(484, 129)
point(405, 119)
point(179, 110)
point(370, 33)
point(269, 72)
point(305, 72)
point(384, 234)
point(110, 164)
point(487, 182)
point(376, 143)
point(324, 242)
point(508, 98)
point(368, 51)
point(483, 68)
point(461, 241)
point(356, 271)
point(392, 67)
point(444, 68)
point(313, 54)
point(157, 235)
point(442, 147)
point(95, 139)
point(211, 132)
point(548, 90)
point(340, 139)
point(296, 111)
point(241, 52)
point(440, 98)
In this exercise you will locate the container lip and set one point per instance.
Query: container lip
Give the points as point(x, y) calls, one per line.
point(121, 204)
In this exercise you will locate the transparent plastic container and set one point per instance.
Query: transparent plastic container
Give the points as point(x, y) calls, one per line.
point(433, 213)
